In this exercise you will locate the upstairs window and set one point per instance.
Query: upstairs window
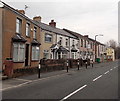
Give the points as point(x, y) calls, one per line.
point(85, 44)
point(27, 29)
point(18, 26)
point(81, 42)
point(48, 37)
point(67, 43)
point(73, 42)
point(91, 45)
point(60, 42)
point(35, 33)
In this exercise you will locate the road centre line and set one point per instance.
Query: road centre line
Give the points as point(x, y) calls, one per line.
point(106, 72)
point(111, 69)
point(73, 93)
point(97, 78)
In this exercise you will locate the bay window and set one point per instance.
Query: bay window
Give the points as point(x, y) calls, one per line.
point(18, 52)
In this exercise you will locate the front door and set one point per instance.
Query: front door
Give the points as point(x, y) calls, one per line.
point(27, 55)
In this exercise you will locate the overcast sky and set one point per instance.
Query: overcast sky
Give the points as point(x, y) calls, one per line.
point(87, 17)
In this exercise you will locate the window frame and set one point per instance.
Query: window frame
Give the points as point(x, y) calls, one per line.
point(46, 38)
point(19, 50)
point(18, 25)
point(27, 32)
point(35, 53)
point(35, 32)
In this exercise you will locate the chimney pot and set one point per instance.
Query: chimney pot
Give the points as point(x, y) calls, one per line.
point(52, 23)
point(37, 18)
point(21, 11)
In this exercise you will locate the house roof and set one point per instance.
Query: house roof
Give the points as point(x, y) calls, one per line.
point(18, 13)
point(35, 42)
point(55, 30)
point(62, 49)
point(73, 33)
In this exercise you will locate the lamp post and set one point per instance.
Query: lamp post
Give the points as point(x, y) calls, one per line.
point(96, 45)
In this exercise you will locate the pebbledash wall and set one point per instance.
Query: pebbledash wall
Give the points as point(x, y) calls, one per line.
point(20, 38)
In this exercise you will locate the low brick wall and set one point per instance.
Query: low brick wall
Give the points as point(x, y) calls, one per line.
point(49, 65)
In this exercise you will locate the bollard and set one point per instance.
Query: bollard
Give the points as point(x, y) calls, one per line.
point(78, 64)
point(92, 63)
point(86, 64)
point(39, 67)
point(67, 65)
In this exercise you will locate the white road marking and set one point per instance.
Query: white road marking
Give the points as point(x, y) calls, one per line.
point(97, 78)
point(110, 69)
point(106, 72)
point(73, 93)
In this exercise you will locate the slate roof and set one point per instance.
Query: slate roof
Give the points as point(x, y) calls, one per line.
point(54, 30)
point(35, 42)
point(73, 33)
point(53, 45)
point(62, 49)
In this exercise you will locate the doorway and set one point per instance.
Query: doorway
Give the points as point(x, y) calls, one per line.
point(27, 55)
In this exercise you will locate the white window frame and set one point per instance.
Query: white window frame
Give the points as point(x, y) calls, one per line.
point(27, 29)
point(47, 35)
point(35, 33)
point(20, 55)
point(46, 52)
point(35, 53)
point(18, 25)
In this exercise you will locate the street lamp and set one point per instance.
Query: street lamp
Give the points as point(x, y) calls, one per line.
point(95, 45)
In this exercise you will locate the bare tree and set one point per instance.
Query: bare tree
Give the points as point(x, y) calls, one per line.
point(112, 43)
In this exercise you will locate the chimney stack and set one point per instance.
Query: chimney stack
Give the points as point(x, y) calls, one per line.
point(37, 18)
point(86, 36)
point(21, 11)
point(52, 23)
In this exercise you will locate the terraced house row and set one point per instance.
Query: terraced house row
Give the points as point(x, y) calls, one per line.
point(25, 41)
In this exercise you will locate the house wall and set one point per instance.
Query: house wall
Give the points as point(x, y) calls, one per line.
point(64, 42)
point(46, 45)
point(110, 52)
point(76, 47)
point(9, 23)
point(1, 13)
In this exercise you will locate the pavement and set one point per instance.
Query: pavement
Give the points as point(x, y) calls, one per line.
point(63, 85)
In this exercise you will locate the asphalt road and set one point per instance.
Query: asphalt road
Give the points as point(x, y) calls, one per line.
point(99, 82)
